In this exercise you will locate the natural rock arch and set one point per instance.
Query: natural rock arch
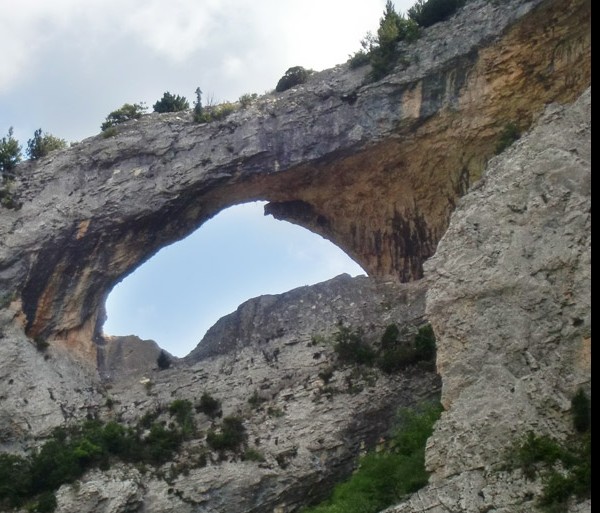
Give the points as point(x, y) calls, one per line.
point(375, 168)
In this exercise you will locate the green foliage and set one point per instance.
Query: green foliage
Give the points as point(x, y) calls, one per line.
point(509, 135)
point(163, 361)
point(252, 454)
point(359, 59)
point(42, 144)
point(110, 132)
point(326, 374)
point(389, 339)
point(428, 12)
point(70, 452)
point(46, 503)
point(198, 108)
point(351, 348)
point(386, 477)
point(126, 113)
point(8, 199)
point(255, 400)
point(15, 479)
point(294, 76)
point(247, 99)
point(564, 467)
point(10, 154)
point(209, 405)
point(581, 411)
point(41, 344)
point(181, 409)
point(395, 356)
point(220, 111)
point(231, 436)
point(425, 343)
point(381, 50)
point(273, 411)
point(160, 444)
point(171, 103)
point(206, 114)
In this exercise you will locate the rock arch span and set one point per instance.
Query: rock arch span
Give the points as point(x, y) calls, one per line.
point(375, 168)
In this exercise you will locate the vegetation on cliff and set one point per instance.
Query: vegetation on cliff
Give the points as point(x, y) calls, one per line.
point(385, 476)
point(565, 467)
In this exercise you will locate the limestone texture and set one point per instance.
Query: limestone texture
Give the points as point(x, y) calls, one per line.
point(393, 173)
point(510, 302)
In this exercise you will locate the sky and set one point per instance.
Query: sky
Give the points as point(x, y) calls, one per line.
point(66, 64)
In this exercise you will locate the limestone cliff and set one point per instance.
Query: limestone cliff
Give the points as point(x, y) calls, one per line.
point(378, 168)
point(511, 304)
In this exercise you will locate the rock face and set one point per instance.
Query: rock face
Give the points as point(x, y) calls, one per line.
point(511, 305)
point(375, 167)
point(306, 414)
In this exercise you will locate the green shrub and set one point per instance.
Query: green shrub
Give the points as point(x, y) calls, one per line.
point(181, 409)
point(42, 144)
point(393, 28)
point(221, 111)
point(10, 154)
point(247, 99)
point(395, 356)
point(214, 112)
point(273, 411)
point(425, 343)
point(163, 361)
point(428, 12)
point(231, 436)
point(8, 198)
point(380, 50)
point(255, 400)
point(581, 411)
point(209, 405)
point(15, 479)
point(70, 452)
point(359, 59)
point(294, 76)
point(110, 132)
point(351, 348)
point(565, 468)
point(389, 339)
point(509, 135)
point(171, 103)
point(383, 478)
point(252, 454)
point(326, 374)
point(41, 344)
point(126, 113)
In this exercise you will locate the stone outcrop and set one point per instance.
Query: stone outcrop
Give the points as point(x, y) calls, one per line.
point(510, 302)
point(374, 167)
point(378, 168)
point(308, 415)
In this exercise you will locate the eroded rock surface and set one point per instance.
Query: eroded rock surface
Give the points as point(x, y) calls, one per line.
point(510, 301)
point(307, 414)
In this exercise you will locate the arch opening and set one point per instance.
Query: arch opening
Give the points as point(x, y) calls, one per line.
point(177, 295)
